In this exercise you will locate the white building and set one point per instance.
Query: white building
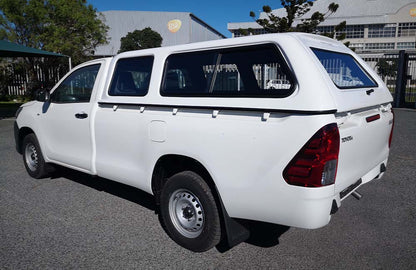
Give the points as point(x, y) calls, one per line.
point(372, 25)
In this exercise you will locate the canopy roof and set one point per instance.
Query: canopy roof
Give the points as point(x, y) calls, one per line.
point(8, 49)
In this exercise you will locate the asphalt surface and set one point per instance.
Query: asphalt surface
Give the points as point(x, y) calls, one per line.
point(74, 221)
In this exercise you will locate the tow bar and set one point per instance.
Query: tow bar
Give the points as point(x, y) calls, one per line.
point(356, 195)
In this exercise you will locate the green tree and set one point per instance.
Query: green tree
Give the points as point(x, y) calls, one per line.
point(387, 67)
point(72, 28)
point(140, 39)
point(295, 9)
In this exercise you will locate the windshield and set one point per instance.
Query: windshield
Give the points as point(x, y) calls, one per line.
point(344, 70)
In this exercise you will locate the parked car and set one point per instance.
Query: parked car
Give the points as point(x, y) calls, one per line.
point(345, 80)
point(193, 125)
point(278, 84)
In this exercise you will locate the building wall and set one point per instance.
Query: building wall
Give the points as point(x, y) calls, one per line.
point(174, 27)
point(200, 31)
point(372, 25)
point(398, 32)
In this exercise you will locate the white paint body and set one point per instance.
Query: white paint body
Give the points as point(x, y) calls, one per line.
point(245, 150)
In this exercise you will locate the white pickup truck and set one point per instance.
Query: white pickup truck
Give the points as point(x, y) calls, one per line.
point(196, 126)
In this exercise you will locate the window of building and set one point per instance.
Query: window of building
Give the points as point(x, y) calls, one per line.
point(357, 46)
point(344, 70)
point(406, 45)
point(325, 29)
point(353, 31)
point(238, 72)
point(261, 31)
point(237, 33)
point(379, 46)
point(381, 30)
point(131, 76)
point(407, 29)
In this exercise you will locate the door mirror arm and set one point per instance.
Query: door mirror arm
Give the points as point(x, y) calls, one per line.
point(43, 96)
point(47, 96)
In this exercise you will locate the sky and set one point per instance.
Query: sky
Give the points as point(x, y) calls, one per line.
point(216, 13)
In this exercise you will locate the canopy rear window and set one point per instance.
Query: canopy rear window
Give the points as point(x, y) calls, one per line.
point(344, 70)
point(250, 71)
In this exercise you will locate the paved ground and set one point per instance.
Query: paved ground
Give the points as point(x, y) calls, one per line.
point(75, 221)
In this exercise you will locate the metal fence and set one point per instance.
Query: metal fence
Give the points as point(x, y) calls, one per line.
point(19, 80)
point(410, 95)
point(398, 72)
point(387, 71)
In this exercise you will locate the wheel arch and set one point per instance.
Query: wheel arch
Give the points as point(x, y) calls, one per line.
point(20, 135)
point(169, 165)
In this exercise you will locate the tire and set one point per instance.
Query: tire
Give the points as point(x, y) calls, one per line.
point(33, 159)
point(189, 213)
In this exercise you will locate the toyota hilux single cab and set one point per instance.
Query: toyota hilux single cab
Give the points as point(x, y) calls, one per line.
point(200, 127)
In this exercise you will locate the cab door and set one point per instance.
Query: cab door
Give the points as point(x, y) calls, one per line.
point(66, 119)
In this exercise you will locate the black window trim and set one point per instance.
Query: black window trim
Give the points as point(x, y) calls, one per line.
point(114, 71)
point(355, 60)
point(285, 63)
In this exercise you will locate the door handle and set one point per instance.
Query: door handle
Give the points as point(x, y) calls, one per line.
point(82, 115)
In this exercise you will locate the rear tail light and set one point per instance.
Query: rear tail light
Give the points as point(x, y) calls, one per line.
point(392, 127)
point(315, 165)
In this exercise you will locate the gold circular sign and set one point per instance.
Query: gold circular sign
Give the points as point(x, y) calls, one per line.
point(174, 25)
point(413, 12)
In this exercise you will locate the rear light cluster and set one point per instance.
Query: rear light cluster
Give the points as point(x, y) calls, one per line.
point(315, 165)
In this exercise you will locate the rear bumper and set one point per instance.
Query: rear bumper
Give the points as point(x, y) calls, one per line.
point(301, 207)
point(375, 173)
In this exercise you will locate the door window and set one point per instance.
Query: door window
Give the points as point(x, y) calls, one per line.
point(77, 87)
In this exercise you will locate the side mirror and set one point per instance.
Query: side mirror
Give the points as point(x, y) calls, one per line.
point(43, 96)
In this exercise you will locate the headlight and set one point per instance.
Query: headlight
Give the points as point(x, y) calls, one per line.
point(18, 111)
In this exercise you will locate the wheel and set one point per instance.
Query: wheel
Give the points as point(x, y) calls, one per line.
point(32, 157)
point(189, 213)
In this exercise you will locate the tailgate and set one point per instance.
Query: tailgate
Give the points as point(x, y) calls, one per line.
point(364, 144)
point(364, 116)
